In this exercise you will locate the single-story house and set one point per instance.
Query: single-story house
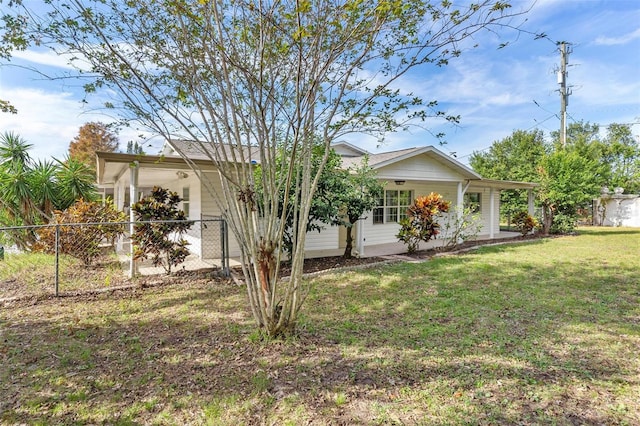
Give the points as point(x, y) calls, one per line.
point(407, 173)
point(616, 209)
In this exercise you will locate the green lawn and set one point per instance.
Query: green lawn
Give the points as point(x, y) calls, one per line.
point(545, 332)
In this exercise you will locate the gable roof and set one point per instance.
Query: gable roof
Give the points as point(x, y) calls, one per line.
point(377, 161)
point(346, 150)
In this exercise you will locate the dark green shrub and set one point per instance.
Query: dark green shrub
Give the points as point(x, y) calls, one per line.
point(563, 223)
point(159, 235)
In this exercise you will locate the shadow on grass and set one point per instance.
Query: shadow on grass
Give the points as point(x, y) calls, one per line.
point(450, 341)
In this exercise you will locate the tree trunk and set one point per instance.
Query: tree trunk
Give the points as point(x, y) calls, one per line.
point(349, 247)
point(547, 219)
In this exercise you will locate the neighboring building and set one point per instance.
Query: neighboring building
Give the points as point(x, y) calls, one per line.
point(617, 209)
point(407, 173)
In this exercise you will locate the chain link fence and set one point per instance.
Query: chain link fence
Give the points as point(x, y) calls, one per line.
point(72, 258)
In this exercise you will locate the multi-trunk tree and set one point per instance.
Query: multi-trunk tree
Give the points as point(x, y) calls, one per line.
point(360, 192)
point(259, 82)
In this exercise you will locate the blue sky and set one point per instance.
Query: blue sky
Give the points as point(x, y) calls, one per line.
point(495, 91)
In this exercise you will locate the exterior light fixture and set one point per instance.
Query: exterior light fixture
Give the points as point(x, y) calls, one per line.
point(399, 182)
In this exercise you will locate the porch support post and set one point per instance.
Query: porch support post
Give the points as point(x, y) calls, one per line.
point(460, 202)
point(492, 212)
point(530, 205)
point(133, 198)
point(360, 237)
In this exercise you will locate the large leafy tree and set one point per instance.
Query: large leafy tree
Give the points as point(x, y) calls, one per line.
point(324, 203)
point(91, 138)
point(622, 155)
point(569, 181)
point(516, 158)
point(238, 77)
point(360, 191)
point(570, 175)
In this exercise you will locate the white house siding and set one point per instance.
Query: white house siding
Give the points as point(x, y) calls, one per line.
point(422, 167)
point(485, 208)
point(327, 239)
point(385, 233)
point(210, 208)
point(176, 184)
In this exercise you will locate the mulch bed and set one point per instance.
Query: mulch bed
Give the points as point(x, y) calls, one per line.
point(335, 262)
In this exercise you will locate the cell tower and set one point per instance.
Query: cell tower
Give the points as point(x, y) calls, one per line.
point(565, 91)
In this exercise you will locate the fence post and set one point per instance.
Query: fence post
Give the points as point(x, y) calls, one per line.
point(224, 242)
point(57, 243)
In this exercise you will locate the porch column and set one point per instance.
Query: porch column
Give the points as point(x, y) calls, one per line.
point(492, 212)
point(530, 204)
point(133, 198)
point(460, 203)
point(360, 238)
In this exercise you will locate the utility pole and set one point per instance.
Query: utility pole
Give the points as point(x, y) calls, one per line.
point(564, 91)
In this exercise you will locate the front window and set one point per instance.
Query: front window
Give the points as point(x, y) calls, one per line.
point(392, 207)
point(472, 201)
point(185, 201)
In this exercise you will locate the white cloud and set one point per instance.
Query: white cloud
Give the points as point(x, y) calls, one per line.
point(49, 121)
point(623, 39)
point(46, 58)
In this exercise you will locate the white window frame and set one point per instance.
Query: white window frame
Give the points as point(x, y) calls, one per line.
point(392, 207)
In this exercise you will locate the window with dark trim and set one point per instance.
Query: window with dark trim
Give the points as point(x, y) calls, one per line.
point(392, 207)
point(472, 201)
point(185, 201)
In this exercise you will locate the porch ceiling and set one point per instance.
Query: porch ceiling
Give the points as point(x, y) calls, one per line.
point(154, 169)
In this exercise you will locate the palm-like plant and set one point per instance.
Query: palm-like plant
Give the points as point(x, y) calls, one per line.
point(14, 151)
point(31, 191)
point(75, 181)
point(42, 180)
point(15, 166)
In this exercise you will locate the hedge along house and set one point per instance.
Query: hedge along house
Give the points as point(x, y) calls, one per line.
point(407, 173)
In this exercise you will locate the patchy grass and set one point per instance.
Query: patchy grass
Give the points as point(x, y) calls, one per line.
point(33, 275)
point(545, 332)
